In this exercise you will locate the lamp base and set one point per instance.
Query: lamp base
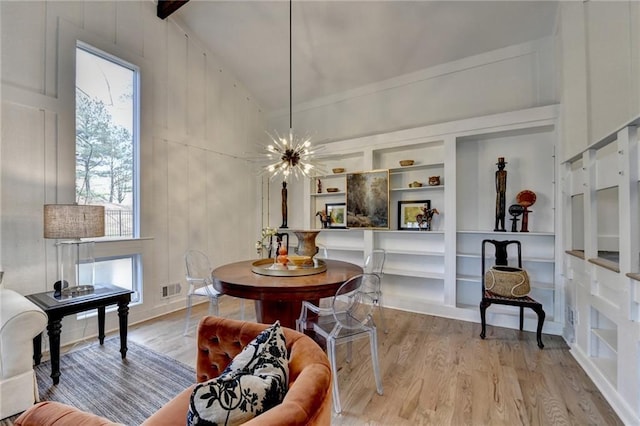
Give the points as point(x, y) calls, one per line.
point(76, 264)
point(62, 289)
point(79, 290)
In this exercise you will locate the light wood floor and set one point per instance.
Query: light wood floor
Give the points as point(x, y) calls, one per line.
point(436, 371)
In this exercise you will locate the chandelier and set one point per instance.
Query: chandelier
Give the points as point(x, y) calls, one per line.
point(290, 155)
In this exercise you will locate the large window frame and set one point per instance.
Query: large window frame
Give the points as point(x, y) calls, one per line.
point(135, 257)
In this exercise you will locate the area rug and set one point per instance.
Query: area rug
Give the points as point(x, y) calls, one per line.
point(97, 380)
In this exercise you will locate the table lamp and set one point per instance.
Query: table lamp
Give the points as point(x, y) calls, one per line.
point(74, 222)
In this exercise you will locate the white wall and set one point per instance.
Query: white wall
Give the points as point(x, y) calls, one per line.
point(514, 78)
point(198, 123)
point(600, 62)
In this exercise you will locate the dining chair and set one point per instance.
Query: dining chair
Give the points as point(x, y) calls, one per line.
point(200, 282)
point(374, 264)
point(323, 252)
point(347, 319)
point(489, 298)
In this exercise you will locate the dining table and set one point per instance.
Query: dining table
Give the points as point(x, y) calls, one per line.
point(280, 297)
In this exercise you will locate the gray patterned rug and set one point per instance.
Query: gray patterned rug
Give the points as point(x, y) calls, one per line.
point(97, 380)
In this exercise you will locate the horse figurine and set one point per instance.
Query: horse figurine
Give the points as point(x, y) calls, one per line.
point(424, 218)
point(324, 218)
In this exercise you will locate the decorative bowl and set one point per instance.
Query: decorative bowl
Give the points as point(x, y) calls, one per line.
point(338, 170)
point(332, 190)
point(298, 260)
point(405, 163)
point(415, 184)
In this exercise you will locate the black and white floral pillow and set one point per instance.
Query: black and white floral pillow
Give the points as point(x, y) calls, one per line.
point(255, 381)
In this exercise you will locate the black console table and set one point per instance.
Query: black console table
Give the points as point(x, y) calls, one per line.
point(57, 307)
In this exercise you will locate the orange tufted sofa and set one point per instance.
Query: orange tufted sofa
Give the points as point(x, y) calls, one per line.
point(308, 400)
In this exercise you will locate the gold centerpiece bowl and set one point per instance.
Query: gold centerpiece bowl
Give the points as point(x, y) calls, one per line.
point(299, 260)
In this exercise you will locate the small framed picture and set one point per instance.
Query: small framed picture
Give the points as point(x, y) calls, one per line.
point(338, 214)
point(408, 212)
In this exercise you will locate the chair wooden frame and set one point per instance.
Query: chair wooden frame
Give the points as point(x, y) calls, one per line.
point(488, 298)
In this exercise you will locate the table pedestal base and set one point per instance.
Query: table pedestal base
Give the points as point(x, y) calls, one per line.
point(269, 311)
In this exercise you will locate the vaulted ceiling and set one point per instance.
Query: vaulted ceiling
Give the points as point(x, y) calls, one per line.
point(341, 45)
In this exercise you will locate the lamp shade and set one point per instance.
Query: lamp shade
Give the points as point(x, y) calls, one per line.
point(73, 221)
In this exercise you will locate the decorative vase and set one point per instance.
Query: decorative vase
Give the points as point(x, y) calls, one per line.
point(306, 243)
point(282, 256)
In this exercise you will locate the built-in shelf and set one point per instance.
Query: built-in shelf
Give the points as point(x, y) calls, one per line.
point(397, 170)
point(422, 270)
point(412, 273)
point(609, 337)
point(421, 188)
point(474, 231)
point(469, 278)
point(512, 261)
point(338, 248)
point(407, 231)
point(327, 194)
point(607, 264)
point(576, 253)
point(414, 253)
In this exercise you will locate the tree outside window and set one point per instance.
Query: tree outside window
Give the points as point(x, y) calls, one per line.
point(105, 130)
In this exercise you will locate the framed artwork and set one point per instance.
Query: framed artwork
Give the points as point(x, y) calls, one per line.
point(338, 214)
point(408, 212)
point(368, 199)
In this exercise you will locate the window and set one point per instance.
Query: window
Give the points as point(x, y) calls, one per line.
point(107, 146)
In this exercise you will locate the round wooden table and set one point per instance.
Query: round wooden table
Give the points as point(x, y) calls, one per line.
point(280, 298)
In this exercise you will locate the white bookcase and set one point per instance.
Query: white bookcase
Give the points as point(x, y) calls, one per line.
point(438, 272)
point(602, 266)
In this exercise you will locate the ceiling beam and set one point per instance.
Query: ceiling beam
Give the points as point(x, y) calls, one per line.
point(167, 7)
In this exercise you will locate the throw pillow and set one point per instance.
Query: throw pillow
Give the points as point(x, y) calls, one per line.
point(256, 380)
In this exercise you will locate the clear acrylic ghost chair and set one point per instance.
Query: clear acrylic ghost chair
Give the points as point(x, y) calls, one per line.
point(200, 284)
point(349, 318)
point(322, 254)
point(374, 264)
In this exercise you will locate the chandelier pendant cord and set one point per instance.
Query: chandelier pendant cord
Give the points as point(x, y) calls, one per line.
point(291, 155)
point(290, 66)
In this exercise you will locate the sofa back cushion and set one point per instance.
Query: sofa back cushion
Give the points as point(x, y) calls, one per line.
point(308, 400)
point(255, 381)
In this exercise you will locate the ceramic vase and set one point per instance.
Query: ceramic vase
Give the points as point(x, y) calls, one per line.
point(306, 243)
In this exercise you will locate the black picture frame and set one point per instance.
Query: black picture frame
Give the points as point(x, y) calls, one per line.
point(338, 214)
point(409, 210)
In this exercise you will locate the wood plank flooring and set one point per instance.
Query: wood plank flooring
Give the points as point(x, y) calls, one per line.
point(436, 371)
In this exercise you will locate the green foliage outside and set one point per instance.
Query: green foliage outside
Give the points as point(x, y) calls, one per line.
point(104, 154)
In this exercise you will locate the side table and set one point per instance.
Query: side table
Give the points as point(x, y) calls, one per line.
point(57, 308)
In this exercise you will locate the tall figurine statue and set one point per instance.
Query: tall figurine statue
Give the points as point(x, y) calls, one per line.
point(284, 204)
point(501, 199)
